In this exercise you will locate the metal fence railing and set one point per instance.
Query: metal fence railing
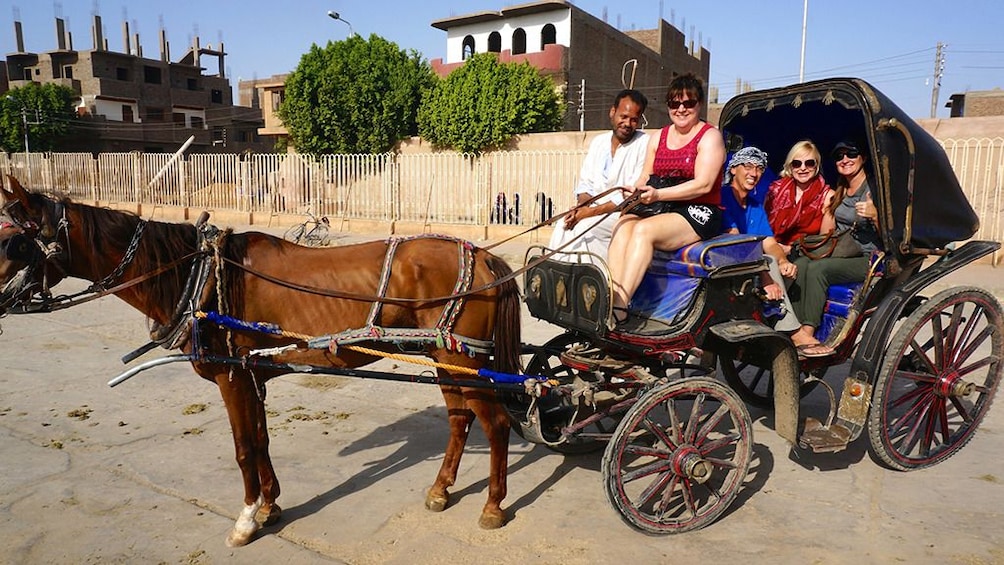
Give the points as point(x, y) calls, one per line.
point(518, 188)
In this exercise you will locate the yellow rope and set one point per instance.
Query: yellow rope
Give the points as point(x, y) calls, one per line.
point(410, 359)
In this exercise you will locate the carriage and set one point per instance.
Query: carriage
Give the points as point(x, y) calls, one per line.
point(923, 370)
point(244, 308)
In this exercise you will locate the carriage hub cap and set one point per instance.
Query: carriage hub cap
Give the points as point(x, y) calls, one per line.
point(687, 461)
point(953, 385)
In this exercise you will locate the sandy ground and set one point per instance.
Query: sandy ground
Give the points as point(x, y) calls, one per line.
point(145, 473)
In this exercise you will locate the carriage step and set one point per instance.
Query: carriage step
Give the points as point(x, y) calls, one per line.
point(823, 439)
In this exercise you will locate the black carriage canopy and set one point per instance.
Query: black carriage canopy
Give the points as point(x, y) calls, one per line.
point(913, 184)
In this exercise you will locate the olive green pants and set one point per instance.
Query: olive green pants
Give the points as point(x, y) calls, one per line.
point(808, 291)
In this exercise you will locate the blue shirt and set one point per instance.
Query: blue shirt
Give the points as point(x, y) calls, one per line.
point(749, 220)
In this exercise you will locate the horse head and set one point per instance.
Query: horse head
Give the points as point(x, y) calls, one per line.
point(29, 246)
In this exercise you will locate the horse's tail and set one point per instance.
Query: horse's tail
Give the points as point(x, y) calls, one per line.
point(508, 329)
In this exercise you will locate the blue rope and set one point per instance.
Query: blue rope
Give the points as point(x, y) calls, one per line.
point(497, 377)
point(235, 324)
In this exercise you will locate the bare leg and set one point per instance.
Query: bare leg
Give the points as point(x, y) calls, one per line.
point(634, 251)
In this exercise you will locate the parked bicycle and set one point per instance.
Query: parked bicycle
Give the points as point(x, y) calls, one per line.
point(312, 232)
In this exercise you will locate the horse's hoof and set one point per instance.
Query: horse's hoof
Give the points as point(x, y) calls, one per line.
point(436, 503)
point(491, 521)
point(268, 517)
point(238, 539)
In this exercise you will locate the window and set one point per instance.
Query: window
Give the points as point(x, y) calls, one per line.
point(518, 41)
point(178, 118)
point(548, 36)
point(494, 42)
point(198, 123)
point(277, 97)
point(68, 71)
point(127, 114)
point(121, 73)
point(468, 48)
point(155, 114)
point(151, 75)
point(27, 73)
point(193, 84)
point(216, 96)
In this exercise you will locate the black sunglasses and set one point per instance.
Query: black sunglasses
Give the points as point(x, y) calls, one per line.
point(796, 164)
point(850, 154)
point(688, 104)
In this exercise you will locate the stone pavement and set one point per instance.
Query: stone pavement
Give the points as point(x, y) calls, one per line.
point(145, 472)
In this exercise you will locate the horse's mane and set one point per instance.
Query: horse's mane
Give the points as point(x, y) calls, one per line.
point(161, 243)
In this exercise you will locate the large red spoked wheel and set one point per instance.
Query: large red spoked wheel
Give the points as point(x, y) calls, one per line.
point(679, 456)
point(938, 379)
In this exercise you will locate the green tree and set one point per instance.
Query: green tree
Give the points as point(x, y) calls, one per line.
point(484, 103)
point(48, 109)
point(354, 96)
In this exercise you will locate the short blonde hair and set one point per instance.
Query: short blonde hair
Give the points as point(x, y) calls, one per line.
point(801, 147)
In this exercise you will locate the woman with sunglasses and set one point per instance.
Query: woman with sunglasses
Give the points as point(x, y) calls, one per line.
point(796, 203)
point(679, 198)
point(852, 208)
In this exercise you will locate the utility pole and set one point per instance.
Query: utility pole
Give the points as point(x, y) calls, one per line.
point(801, 64)
point(939, 70)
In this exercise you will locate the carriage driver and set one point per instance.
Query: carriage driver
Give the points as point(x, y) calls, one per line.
point(744, 213)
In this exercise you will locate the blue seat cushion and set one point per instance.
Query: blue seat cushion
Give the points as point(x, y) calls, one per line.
point(704, 257)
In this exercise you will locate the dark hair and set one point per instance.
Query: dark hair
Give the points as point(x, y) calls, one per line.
point(688, 84)
point(840, 189)
point(637, 97)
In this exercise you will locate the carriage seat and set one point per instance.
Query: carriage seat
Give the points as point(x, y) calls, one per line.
point(703, 258)
point(839, 300)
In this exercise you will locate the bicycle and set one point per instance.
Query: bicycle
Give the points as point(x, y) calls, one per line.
point(312, 232)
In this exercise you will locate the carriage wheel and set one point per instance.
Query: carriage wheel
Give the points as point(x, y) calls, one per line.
point(755, 384)
point(938, 379)
point(552, 410)
point(294, 233)
point(679, 457)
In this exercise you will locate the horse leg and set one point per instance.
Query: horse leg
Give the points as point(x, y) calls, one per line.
point(269, 513)
point(460, 419)
point(239, 397)
point(495, 423)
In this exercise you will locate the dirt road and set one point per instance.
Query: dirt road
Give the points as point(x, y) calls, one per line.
point(144, 473)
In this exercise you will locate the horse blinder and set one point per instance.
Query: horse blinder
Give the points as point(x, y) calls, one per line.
point(21, 248)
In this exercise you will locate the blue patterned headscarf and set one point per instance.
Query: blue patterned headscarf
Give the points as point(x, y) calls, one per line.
point(745, 155)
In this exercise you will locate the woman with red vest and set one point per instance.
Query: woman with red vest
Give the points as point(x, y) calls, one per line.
point(679, 195)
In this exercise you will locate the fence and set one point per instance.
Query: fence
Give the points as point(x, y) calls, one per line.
point(518, 188)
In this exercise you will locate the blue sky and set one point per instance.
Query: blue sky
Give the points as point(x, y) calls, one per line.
point(890, 43)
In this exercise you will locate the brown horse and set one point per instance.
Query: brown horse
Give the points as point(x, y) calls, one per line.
point(312, 292)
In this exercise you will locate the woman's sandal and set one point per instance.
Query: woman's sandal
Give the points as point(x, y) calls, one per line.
point(817, 349)
point(621, 315)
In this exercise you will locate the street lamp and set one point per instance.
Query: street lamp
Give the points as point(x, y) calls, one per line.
point(336, 16)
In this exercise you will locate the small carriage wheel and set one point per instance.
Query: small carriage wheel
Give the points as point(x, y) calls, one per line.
point(938, 379)
point(755, 384)
point(546, 362)
point(679, 456)
point(317, 236)
point(295, 233)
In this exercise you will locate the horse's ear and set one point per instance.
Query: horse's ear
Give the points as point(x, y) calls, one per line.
point(16, 192)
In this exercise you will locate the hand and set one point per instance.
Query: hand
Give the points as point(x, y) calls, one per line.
point(647, 194)
point(572, 218)
point(788, 269)
point(773, 292)
point(866, 209)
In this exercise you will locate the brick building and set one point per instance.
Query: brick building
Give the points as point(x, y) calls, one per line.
point(977, 103)
point(130, 102)
point(585, 56)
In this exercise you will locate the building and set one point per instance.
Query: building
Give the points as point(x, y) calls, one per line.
point(130, 102)
point(588, 59)
point(265, 95)
point(976, 103)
